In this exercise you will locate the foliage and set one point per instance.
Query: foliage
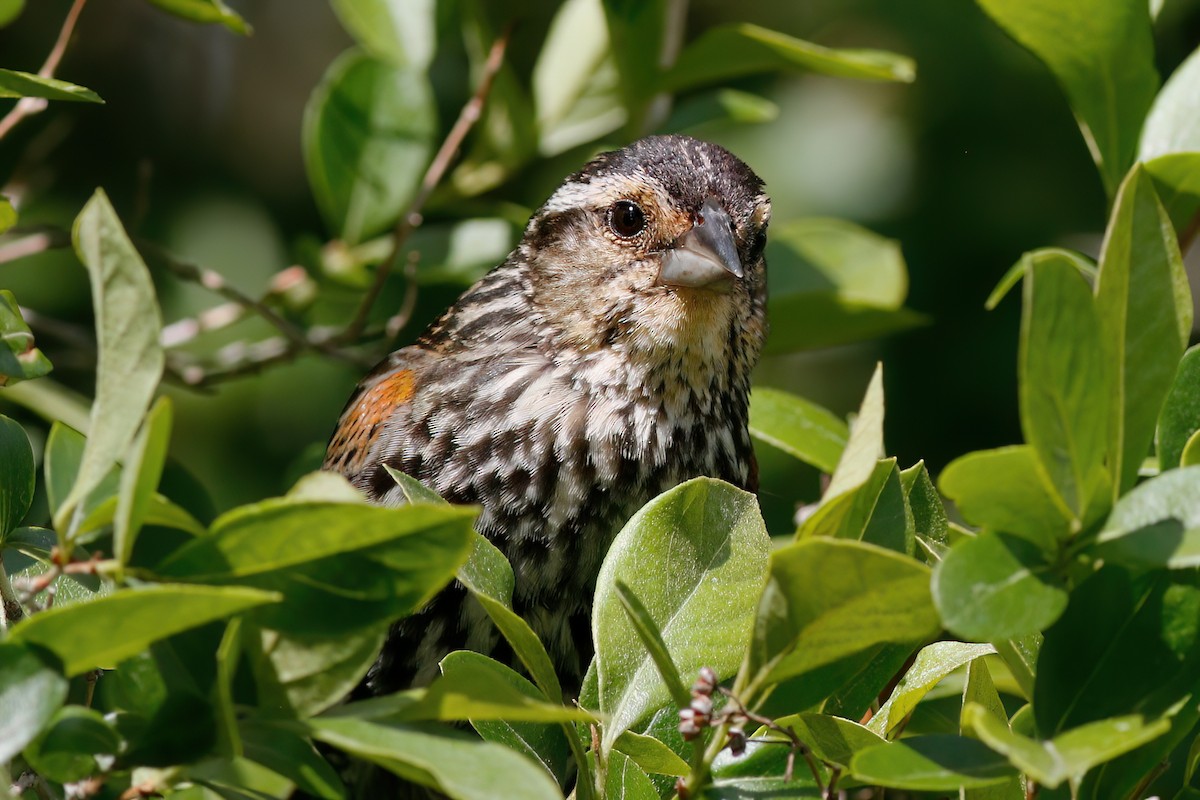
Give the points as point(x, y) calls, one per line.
point(1051, 646)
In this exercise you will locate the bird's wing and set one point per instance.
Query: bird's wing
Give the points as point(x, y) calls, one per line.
point(378, 403)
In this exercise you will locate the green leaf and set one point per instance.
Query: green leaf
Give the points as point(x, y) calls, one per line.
point(572, 58)
point(625, 780)
point(997, 586)
point(930, 523)
point(20, 360)
point(140, 475)
point(282, 532)
point(8, 214)
point(1065, 757)
point(107, 630)
point(16, 475)
point(863, 449)
point(1064, 405)
point(1173, 124)
point(1157, 524)
point(286, 753)
point(488, 576)
point(1006, 490)
point(695, 556)
point(130, 360)
point(66, 750)
point(931, 763)
point(1020, 656)
point(309, 674)
point(1104, 58)
point(730, 51)
point(545, 743)
point(205, 11)
point(694, 113)
point(1177, 181)
point(30, 693)
point(474, 687)
point(980, 690)
point(64, 454)
point(832, 739)
point(448, 761)
point(637, 34)
point(798, 427)
point(1087, 268)
point(402, 32)
point(1180, 417)
point(931, 665)
point(1146, 317)
point(454, 252)
point(1191, 451)
point(1125, 645)
point(650, 754)
point(831, 598)
point(833, 282)
point(26, 84)
point(368, 134)
point(414, 491)
point(10, 10)
point(159, 511)
point(235, 779)
point(652, 640)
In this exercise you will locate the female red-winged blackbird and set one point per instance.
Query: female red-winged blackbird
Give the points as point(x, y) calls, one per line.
point(606, 360)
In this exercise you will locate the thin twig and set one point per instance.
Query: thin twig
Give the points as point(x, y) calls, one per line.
point(411, 219)
point(797, 745)
point(28, 106)
point(31, 245)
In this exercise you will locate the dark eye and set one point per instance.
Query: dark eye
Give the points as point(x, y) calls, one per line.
point(626, 219)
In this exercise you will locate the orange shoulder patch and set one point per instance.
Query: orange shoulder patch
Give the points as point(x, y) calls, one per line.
point(360, 425)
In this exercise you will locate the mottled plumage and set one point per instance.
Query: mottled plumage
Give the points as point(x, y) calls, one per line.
point(598, 366)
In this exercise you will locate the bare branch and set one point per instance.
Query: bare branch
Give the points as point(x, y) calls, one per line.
point(28, 106)
point(411, 219)
point(32, 244)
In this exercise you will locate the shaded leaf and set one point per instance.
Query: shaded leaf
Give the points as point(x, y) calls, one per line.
point(798, 427)
point(1157, 524)
point(545, 743)
point(731, 51)
point(865, 445)
point(30, 692)
point(310, 674)
point(488, 576)
point(109, 629)
point(830, 598)
point(368, 134)
point(448, 761)
point(997, 586)
point(694, 556)
point(1104, 58)
point(1064, 405)
point(1070, 755)
point(980, 690)
point(931, 763)
point(475, 687)
point(1180, 417)
point(625, 780)
point(140, 475)
point(130, 360)
point(1006, 490)
point(1146, 317)
point(1177, 181)
point(66, 750)
point(831, 739)
point(930, 523)
point(650, 754)
point(931, 665)
point(1125, 645)
point(16, 475)
point(25, 84)
point(20, 360)
point(284, 752)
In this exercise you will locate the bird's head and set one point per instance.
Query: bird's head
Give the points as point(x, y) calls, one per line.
point(657, 246)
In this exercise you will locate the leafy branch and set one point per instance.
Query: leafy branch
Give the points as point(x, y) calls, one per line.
point(28, 106)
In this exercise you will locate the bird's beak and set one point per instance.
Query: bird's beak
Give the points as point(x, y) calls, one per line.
point(706, 256)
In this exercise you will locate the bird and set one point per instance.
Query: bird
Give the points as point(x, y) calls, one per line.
point(604, 361)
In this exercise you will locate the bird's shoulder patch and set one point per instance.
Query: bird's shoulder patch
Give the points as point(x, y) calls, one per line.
point(378, 398)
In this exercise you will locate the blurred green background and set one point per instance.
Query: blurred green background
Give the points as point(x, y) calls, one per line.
point(199, 146)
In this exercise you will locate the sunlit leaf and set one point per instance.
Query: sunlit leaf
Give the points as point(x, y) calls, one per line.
point(400, 31)
point(130, 360)
point(798, 427)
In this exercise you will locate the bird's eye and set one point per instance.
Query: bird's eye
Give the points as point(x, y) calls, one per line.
point(626, 219)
